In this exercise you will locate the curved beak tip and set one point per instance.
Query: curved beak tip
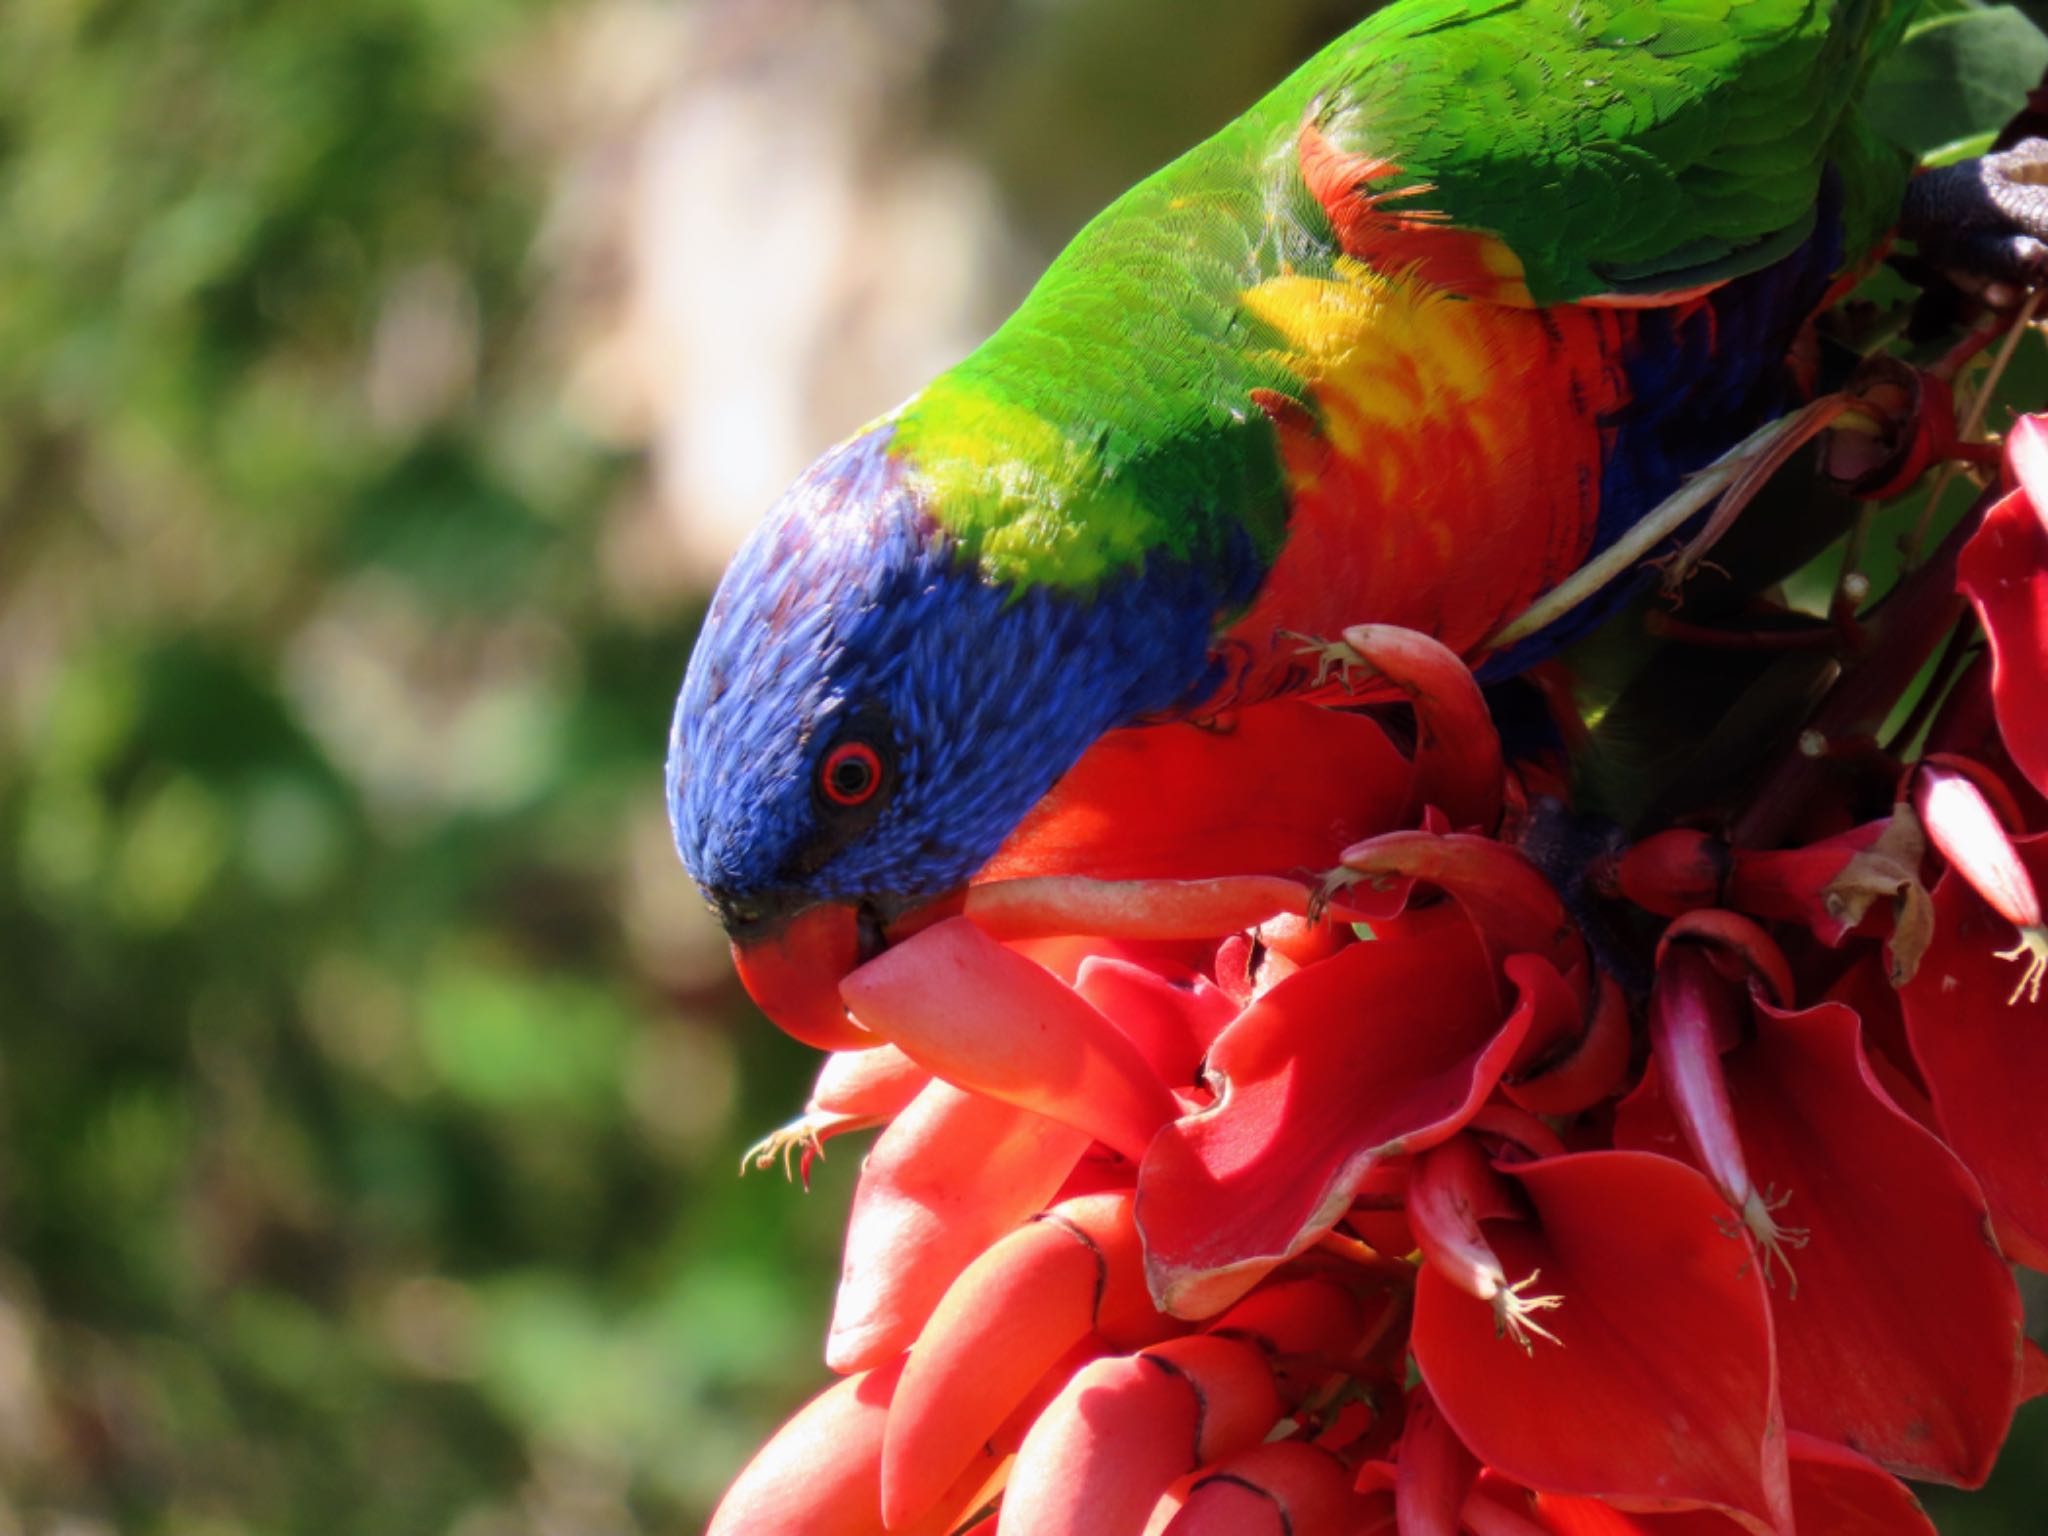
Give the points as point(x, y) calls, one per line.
point(793, 976)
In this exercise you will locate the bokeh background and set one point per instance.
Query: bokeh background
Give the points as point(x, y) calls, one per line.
point(382, 386)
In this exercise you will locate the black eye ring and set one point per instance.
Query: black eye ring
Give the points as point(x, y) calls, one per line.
point(850, 775)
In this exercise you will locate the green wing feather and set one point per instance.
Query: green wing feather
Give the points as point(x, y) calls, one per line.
point(1621, 148)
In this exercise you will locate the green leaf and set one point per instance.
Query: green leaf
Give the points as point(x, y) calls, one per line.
point(1957, 76)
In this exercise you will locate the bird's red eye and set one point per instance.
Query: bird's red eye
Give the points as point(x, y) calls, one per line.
point(850, 774)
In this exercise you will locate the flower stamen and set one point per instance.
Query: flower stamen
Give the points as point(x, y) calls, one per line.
point(1514, 1313)
point(2032, 952)
point(1772, 1239)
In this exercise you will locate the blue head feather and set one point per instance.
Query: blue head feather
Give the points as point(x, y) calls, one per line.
point(850, 610)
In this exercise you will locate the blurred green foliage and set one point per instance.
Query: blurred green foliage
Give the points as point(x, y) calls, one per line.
point(353, 1174)
point(366, 1142)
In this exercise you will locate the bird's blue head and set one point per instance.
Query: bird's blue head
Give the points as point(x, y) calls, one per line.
point(866, 717)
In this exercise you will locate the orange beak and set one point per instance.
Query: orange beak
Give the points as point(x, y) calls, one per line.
point(793, 975)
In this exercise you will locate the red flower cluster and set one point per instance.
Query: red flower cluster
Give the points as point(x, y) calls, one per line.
point(1426, 1200)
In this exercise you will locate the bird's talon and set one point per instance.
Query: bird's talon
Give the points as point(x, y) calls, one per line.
point(1331, 657)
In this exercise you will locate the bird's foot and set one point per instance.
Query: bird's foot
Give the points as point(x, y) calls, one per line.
point(1984, 222)
point(1335, 660)
point(803, 1137)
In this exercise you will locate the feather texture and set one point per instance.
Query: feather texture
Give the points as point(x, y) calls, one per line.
point(1443, 314)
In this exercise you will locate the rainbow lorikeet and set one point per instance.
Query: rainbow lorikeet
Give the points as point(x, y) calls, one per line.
point(1408, 342)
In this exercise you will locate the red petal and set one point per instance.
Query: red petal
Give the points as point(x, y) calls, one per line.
point(1457, 749)
point(819, 1475)
point(1965, 829)
point(867, 1085)
point(1003, 1324)
point(1504, 1510)
point(1799, 885)
point(2026, 454)
point(1835, 1492)
point(1985, 1058)
point(1663, 1389)
point(1510, 900)
point(1434, 1473)
point(1692, 1008)
point(950, 1175)
point(1177, 801)
point(1169, 1021)
point(1674, 871)
point(1557, 1013)
point(1586, 1072)
point(985, 1018)
point(1902, 1336)
point(1452, 1189)
point(1865, 988)
point(1312, 1315)
point(1386, 1047)
point(1123, 1429)
point(1283, 1489)
point(2003, 570)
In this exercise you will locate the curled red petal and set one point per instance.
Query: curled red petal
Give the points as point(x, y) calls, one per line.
point(1234, 1382)
point(1663, 1389)
point(1515, 1134)
point(2026, 455)
point(1865, 988)
point(1015, 1313)
point(1457, 749)
point(1967, 832)
point(1169, 1020)
point(820, 1473)
point(1170, 801)
point(1556, 1011)
point(1312, 1315)
point(1125, 1428)
point(1386, 1047)
point(1434, 1472)
point(1498, 1507)
point(1674, 871)
point(2003, 570)
point(1693, 1008)
point(1854, 882)
point(1902, 1338)
point(985, 1018)
point(1509, 900)
point(869, 1085)
point(1835, 1492)
point(1283, 1489)
point(1302, 940)
point(1743, 951)
point(1984, 1055)
point(1452, 1188)
point(950, 1175)
point(1580, 1076)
